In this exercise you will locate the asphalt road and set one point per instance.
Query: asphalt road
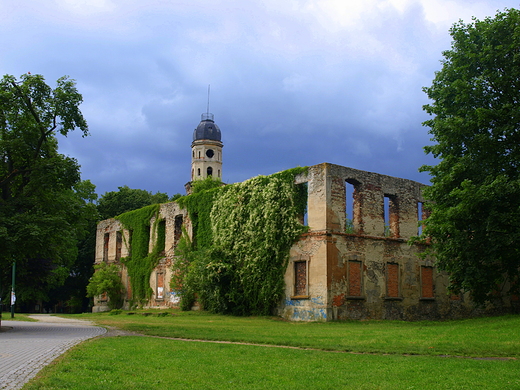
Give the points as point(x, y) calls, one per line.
point(26, 347)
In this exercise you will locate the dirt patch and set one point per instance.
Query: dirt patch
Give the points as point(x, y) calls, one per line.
point(115, 332)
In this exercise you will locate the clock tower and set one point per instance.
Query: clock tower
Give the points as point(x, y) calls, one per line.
point(206, 150)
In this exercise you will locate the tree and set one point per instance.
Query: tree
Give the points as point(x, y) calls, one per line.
point(45, 208)
point(114, 203)
point(107, 280)
point(475, 194)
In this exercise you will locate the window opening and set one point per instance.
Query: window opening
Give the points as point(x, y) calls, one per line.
point(392, 280)
point(391, 216)
point(177, 230)
point(160, 286)
point(161, 237)
point(351, 206)
point(419, 217)
point(300, 278)
point(210, 171)
point(106, 242)
point(304, 218)
point(119, 245)
point(198, 171)
point(354, 278)
point(427, 289)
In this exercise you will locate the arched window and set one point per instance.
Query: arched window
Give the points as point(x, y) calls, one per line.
point(198, 171)
point(210, 171)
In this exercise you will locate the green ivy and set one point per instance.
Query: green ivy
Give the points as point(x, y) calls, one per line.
point(199, 205)
point(242, 237)
point(140, 263)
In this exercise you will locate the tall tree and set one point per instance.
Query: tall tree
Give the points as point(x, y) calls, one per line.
point(126, 199)
point(44, 206)
point(475, 193)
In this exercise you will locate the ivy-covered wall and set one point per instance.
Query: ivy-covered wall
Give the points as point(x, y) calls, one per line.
point(242, 234)
point(234, 249)
point(140, 262)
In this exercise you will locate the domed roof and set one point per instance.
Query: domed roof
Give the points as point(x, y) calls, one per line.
point(207, 129)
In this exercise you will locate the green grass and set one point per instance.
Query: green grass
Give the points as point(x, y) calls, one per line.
point(490, 337)
point(389, 355)
point(150, 363)
point(17, 317)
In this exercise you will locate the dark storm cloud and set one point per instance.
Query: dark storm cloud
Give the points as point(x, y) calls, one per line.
point(292, 84)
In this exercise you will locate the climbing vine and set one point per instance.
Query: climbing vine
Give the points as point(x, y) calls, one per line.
point(242, 237)
point(140, 263)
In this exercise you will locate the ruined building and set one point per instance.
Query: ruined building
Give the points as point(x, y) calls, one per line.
point(355, 261)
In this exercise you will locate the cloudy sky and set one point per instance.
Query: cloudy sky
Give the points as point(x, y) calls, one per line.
point(293, 82)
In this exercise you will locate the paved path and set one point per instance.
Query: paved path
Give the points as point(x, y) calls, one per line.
point(26, 347)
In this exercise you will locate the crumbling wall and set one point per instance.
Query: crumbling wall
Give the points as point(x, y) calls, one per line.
point(365, 268)
point(113, 244)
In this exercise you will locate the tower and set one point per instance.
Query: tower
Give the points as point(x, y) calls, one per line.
point(206, 150)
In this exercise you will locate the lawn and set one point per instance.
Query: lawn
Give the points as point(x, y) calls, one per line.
point(382, 354)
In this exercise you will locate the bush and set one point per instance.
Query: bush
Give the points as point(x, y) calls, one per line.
point(107, 279)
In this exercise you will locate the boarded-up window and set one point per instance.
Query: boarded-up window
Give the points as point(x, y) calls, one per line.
point(392, 280)
point(160, 286)
point(119, 244)
point(354, 278)
point(300, 278)
point(106, 242)
point(427, 282)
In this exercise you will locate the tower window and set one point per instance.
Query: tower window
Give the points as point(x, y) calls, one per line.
point(210, 171)
point(198, 171)
point(210, 153)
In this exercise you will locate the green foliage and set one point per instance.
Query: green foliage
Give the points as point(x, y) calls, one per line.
point(127, 199)
point(107, 279)
point(243, 233)
point(140, 263)
point(349, 226)
point(475, 192)
point(205, 184)
point(180, 281)
point(44, 207)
